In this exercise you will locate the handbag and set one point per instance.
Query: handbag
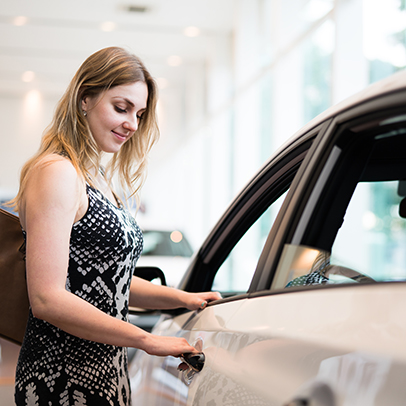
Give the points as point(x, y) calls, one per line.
point(14, 304)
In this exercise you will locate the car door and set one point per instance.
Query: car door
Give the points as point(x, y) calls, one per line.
point(322, 321)
point(331, 291)
point(226, 262)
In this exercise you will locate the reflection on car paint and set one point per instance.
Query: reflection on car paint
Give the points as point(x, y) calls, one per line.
point(358, 376)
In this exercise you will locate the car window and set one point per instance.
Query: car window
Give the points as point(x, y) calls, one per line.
point(236, 272)
point(228, 259)
point(373, 236)
point(358, 232)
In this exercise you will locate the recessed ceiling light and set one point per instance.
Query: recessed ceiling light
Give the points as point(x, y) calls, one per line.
point(191, 31)
point(174, 60)
point(108, 26)
point(20, 20)
point(28, 76)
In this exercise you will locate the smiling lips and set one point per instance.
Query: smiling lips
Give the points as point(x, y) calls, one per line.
point(120, 136)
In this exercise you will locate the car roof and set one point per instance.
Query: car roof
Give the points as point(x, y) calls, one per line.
point(391, 84)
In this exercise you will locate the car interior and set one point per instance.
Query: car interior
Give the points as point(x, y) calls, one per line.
point(358, 230)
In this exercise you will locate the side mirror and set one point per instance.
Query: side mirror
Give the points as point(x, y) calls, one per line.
point(150, 273)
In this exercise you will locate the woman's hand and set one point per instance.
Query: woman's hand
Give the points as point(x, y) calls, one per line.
point(196, 301)
point(147, 295)
point(164, 346)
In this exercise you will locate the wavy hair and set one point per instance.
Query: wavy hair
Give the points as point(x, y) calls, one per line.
point(69, 134)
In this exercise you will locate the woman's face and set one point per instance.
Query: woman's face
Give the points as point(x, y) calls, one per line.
point(114, 115)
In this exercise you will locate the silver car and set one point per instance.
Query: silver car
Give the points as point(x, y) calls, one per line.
point(318, 316)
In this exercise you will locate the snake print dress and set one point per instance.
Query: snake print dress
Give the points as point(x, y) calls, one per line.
point(58, 369)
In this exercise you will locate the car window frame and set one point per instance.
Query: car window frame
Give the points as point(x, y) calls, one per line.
point(293, 211)
point(223, 238)
point(273, 247)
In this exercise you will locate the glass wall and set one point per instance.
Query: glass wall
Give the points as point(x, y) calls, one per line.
point(285, 62)
point(384, 37)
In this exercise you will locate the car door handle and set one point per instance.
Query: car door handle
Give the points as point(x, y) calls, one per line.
point(194, 361)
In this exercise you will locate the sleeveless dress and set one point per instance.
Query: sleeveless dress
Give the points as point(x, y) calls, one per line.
point(58, 369)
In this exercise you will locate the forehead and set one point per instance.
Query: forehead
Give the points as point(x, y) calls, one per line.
point(134, 93)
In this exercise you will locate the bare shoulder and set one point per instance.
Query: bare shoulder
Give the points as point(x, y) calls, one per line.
point(53, 184)
point(55, 165)
point(55, 171)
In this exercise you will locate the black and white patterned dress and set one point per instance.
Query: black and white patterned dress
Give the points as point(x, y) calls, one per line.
point(58, 369)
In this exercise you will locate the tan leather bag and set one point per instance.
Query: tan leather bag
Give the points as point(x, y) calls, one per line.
point(14, 303)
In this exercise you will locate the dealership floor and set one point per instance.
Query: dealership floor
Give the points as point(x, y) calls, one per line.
point(8, 359)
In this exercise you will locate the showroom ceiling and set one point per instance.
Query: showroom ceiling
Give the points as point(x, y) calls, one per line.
point(43, 42)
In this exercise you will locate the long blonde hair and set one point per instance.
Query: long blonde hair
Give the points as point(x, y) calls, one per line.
point(69, 134)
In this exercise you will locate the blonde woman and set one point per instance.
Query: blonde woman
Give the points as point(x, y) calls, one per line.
point(82, 245)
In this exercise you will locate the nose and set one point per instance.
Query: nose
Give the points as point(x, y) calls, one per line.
point(131, 124)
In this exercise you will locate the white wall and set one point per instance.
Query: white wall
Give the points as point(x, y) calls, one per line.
point(23, 120)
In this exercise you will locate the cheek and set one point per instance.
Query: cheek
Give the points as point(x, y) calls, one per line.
point(101, 121)
point(109, 118)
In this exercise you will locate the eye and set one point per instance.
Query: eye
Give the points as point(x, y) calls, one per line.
point(119, 110)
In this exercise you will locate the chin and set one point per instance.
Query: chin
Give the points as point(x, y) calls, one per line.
point(111, 149)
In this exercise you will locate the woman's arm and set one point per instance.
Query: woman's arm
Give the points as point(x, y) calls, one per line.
point(53, 200)
point(146, 295)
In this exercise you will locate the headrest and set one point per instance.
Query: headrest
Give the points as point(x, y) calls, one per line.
point(402, 208)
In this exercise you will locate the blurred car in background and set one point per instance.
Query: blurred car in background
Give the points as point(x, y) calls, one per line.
point(168, 250)
point(311, 260)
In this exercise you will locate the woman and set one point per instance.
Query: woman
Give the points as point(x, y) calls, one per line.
point(82, 245)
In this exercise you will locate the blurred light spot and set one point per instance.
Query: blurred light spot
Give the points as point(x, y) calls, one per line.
point(28, 76)
point(176, 236)
point(316, 9)
point(32, 106)
point(382, 25)
point(369, 220)
point(108, 26)
point(162, 83)
point(191, 31)
point(324, 37)
point(174, 60)
point(20, 20)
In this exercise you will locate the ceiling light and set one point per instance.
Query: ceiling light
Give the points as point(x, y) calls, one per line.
point(174, 60)
point(28, 76)
point(20, 20)
point(108, 26)
point(191, 31)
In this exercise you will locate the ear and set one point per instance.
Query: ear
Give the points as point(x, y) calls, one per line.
point(84, 103)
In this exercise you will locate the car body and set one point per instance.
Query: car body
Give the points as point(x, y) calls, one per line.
point(316, 315)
